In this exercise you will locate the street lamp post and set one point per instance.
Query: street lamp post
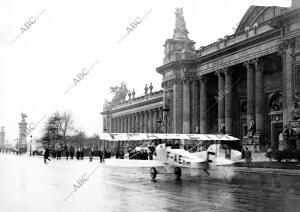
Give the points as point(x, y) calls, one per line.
point(104, 140)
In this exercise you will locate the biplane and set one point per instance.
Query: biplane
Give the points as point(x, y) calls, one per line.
point(180, 151)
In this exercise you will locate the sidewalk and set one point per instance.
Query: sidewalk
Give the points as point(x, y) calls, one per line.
point(290, 172)
point(261, 164)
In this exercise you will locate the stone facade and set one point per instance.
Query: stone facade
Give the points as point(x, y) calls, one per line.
point(246, 84)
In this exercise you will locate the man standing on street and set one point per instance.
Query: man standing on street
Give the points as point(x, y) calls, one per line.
point(101, 156)
point(248, 157)
point(67, 154)
point(46, 155)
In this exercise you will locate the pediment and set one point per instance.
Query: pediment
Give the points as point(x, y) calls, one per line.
point(258, 14)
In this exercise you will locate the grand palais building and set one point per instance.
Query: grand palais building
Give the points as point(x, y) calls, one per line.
point(246, 84)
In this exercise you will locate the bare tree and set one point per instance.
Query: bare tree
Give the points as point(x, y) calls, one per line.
point(66, 125)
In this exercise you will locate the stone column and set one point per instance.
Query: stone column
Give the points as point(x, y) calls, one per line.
point(122, 124)
point(125, 124)
point(132, 123)
point(114, 120)
point(160, 117)
point(186, 107)
point(146, 117)
point(119, 124)
point(177, 106)
point(203, 105)
point(228, 102)
point(170, 112)
point(287, 48)
point(221, 102)
point(164, 86)
point(259, 98)
point(141, 122)
point(116, 124)
point(195, 106)
point(129, 118)
point(137, 123)
point(250, 93)
point(150, 121)
point(155, 119)
point(112, 125)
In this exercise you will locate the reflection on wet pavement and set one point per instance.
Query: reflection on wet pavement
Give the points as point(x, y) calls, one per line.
point(26, 184)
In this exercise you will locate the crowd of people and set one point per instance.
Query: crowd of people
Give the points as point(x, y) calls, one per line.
point(141, 154)
point(79, 154)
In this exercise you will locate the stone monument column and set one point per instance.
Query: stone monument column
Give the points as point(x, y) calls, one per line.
point(228, 102)
point(186, 106)
point(23, 133)
point(203, 105)
point(2, 138)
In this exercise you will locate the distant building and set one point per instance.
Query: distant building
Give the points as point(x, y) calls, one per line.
point(246, 84)
point(2, 138)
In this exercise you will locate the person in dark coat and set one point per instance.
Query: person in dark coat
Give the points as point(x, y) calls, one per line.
point(81, 155)
point(91, 156)
point(248, 157)
point(77, 154)
point(101, 156)
point(46, 155)
point(67, 154)
point(72, 151)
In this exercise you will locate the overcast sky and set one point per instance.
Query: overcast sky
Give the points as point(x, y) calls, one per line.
point(39, 66)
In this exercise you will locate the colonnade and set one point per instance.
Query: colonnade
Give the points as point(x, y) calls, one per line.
point(146, 121)
point(184, 103)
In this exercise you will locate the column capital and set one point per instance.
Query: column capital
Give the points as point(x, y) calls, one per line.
point(219, 72)
point(176, 81)
point(203, 78)
point(250, 64)
point(187, 80)
point(258, 64)
point(228, 72)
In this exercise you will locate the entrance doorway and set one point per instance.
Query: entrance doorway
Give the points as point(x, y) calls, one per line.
point(276, 129)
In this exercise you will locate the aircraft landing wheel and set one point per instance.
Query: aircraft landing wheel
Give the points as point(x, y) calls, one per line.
point(177, 172)
point(153, 173)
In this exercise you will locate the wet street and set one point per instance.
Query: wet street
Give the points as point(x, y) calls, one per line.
point(27, 184)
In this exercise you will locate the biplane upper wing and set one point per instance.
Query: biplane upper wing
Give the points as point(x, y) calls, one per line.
point(153, 136)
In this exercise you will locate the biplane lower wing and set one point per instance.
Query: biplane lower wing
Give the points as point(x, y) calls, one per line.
point(133, 163)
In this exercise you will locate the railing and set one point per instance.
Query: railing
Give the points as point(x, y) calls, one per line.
point(137, 100)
